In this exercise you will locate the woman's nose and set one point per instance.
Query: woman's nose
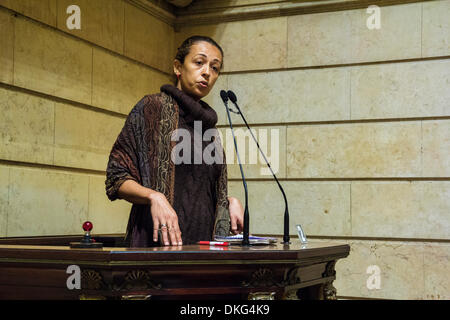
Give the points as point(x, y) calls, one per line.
point(206, 71)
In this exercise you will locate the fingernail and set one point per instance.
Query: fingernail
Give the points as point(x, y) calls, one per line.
point(180, 243)
point(166, 243)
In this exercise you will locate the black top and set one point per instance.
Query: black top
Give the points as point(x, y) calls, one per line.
point(195, 180)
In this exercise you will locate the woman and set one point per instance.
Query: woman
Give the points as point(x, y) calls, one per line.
point(182, 203)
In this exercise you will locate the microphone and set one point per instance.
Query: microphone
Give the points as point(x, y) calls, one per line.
point(224, 96)
point(245, 240)
point(286, 236)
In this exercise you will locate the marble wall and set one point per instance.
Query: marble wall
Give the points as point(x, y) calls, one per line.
point(64, 97)
point(360, 118)
point(363, 123)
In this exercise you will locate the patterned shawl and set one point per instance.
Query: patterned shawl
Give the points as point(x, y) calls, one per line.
point(142, 152)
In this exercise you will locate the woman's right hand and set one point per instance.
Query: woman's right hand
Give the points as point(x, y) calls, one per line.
point(165, 218)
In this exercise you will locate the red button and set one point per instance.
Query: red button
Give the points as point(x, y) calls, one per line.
point(87, 226)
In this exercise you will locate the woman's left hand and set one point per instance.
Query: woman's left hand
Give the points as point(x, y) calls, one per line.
point(236, 215)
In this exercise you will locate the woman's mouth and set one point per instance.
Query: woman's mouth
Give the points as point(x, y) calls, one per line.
point(203, 84)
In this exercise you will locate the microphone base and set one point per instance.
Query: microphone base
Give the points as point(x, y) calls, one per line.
point(246, 243)
point(86, 245)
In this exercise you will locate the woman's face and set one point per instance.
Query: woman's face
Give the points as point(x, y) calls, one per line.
point(200, 70)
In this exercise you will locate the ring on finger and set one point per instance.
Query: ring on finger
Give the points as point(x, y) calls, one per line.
point(162, 225)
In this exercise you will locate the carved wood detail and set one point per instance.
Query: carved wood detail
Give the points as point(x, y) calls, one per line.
point(262, 277)
point(329, 291)
point(133, 280)
point(137, 280)
point(92, 280)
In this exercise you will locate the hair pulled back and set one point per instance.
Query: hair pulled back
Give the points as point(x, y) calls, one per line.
point(185, 48)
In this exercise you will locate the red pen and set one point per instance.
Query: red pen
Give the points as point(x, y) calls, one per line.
point(214, 243)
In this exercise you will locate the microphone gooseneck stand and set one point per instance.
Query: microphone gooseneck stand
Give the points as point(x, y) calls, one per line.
point(245, 240)
point(286, 237)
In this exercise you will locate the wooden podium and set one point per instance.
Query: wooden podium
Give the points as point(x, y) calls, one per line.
point(186, 272)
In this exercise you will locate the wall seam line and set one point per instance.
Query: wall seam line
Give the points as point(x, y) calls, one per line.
point(341, 65)
point(285, 126)
point(350, 68)
point(350, 93)
point(421, 148)
point(54, 132)
point(8, 204)
point(14, 50)
point(54, 102)
point(341, 122)
point(287, 44)
point(103, 172)
point(351, 212)
point(421, 29)
point(92, 77)
point(398, 179)
point(57, 99)
point(358, 238)
point(56, 14)
point(124, 28)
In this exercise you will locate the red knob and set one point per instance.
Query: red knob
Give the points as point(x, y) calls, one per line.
point(87, 226)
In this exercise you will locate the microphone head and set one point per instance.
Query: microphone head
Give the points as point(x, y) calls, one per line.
point(232, 96)
point(223, 95)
